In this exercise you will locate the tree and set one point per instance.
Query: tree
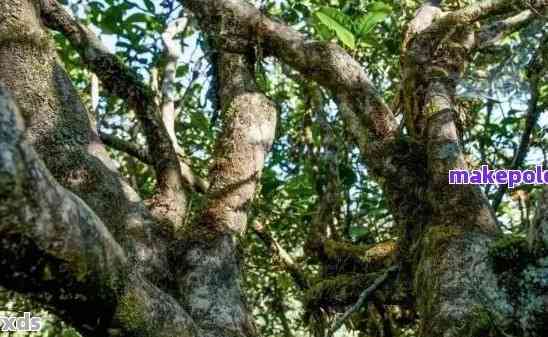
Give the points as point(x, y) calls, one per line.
point(112, 256)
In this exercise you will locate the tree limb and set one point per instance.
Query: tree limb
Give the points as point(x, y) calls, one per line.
point(361, 300)
point(131, 148)
point(169, 113)
point(168, 110)
point(194, 181)
point(492, 33)
point(209, 248)
point(369, 120)
point(483, 9)
point(62, 132)
point(170, 202)
point(282, 256)
point(535, 72)
point(56, 249)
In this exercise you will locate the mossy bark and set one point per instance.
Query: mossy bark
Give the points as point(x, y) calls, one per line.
point(57, 250)
point(210, 282)
point(62, 131)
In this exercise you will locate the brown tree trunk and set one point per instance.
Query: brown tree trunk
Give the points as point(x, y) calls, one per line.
point(61, 243)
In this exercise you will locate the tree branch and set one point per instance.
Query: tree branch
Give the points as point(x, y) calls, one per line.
point(132, 149)
point(368, 118)
point(168, 110)
point(280, 255)
point(484, 9)
point(169, 202)
point(61, 131)
point(361, 300)
point(169, 113)
point(535, 73)
point(209, 248)
point(141, 153)
point(56, 249)
point(492, 33)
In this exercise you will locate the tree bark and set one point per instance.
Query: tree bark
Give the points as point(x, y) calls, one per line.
point(64, 136)
point(210, 285)
point(55, 248)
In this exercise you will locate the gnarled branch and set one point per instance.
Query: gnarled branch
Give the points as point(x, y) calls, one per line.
point(170, 200)
point(368, 118)
point(56, 249)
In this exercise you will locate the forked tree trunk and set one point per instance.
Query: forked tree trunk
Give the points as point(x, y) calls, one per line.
point(61, 242)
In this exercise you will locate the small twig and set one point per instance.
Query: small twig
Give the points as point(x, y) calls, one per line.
point(361, 300)
point(280, 254)
point(131, 148)
point(192, 179)
point(535, 72)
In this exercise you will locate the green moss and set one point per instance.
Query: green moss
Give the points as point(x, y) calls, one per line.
point(510, 253)
point(343, 257)
point(342, 251)
point(334, 293)
point(510, 257)
point(434, 242)
point(130, 312)
point(480, 324)
point(437, 237)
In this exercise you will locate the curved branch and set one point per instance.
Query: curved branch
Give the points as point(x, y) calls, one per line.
point(368, 118)
point(361, 300)
point(55, 248)
point(209, 250)
point(123, 82)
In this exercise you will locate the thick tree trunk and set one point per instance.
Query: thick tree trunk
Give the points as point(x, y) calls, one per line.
point(55, 248)
point(61, 242)
point(447, 229)
point(90, 269)
point(63, 133)
point(210, 285)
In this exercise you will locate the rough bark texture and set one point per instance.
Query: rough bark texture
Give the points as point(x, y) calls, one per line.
point(454, 245)
point(210, 285)
point(56, 249)
point(448, 245)
point(169, 203)
point(61, 243)
point(63, 134)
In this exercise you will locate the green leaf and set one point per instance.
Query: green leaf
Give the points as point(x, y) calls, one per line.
point(322, 30)
point(338, 23)
point(137, 17)
point(182, 70)
point(149, 5)
point(379, 6)
point(378, 12)
point(359, 232)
